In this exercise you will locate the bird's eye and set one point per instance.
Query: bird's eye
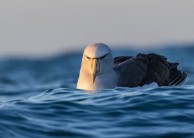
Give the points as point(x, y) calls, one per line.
point(103, 56)
point(88, 57)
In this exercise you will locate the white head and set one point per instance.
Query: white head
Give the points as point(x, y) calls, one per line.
point(97, 63)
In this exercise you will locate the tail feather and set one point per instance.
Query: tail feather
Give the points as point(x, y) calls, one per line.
point(183, 77)
point(164, 73)
point(176, 77)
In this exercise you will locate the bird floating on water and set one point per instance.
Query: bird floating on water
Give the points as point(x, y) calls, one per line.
point(99, 70)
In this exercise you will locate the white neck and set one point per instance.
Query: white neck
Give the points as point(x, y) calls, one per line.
point(107, 80)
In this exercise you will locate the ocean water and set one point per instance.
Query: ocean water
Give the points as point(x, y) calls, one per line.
point(39, 99)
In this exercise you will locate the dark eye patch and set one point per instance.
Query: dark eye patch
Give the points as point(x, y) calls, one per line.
point(103, 56)
point(88, 57)
point(98, 58)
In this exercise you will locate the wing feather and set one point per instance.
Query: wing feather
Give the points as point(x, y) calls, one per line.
point(131, 71)
point(145, 69)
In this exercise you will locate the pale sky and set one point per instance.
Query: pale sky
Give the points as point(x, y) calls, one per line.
point(46, 27)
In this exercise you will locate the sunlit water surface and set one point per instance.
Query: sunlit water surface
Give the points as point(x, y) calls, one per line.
point(38, 99)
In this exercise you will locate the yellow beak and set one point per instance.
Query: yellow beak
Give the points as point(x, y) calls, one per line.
point(94, 69)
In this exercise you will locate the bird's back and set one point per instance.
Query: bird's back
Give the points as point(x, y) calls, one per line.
point(145, 69)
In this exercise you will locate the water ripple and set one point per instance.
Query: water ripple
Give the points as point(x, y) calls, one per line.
point(36, 100)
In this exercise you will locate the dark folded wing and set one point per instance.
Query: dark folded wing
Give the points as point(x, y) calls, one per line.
point(131, 70)
point(163, 72)
point(145, 69)
point(176, 77)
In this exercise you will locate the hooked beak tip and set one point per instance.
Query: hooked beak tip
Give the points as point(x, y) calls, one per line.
point(94, 78)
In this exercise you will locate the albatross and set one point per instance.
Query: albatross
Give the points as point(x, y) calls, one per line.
point(99, 70)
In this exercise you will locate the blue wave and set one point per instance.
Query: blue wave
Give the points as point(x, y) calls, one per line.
point(38, 99)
